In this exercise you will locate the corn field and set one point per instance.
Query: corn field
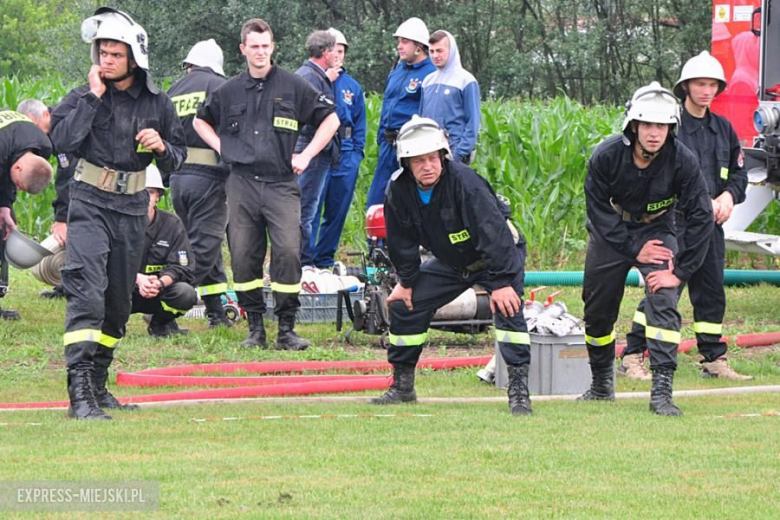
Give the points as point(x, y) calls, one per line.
point(535, 153)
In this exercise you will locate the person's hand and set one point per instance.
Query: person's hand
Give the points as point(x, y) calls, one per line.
point(506, 301)
point(300, 162)
point(6, 222)
point(60, 231)
point(653, 252)
point(148, 286)
point(403, 294)
point(662, 279)
point(725, 207)
point(96, 84)
point(333, 73)
point(151, 140)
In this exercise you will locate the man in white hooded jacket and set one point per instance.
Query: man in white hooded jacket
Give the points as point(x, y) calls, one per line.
point(451, 96)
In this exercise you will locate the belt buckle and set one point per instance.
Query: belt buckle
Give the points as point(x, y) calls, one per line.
point(106, 181)
point(121, 182)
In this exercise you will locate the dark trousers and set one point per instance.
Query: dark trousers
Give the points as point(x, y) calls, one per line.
point(103, 256)
point(311, 182)
point(335, 201)
point(258, 210)
point(201, 204)
point(438, 285)
point(602, 292)
point(172, 302)
point(386, 164)
point(708, 297)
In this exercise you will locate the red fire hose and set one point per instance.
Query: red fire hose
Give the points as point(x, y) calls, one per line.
point(744, 341)
point(256, 386)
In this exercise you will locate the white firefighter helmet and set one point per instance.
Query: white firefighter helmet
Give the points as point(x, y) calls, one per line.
point(419, 136)
point(206, 53)
point(340, 38)
point(153, 178)
point(413, 29)
point(110, 24)
point(702, 66)
point(653, 104)
point(23, 252)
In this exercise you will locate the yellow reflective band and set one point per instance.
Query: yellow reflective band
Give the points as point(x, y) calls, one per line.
point(248, 286)
point(640, 318)
point(168, 308)
point(108, 341)
point(600, 342)
point(655, 206)
point(509, 336)
point(410, 340)
point(9, 116)
point(290, 288)
point(667, 336)
point(153, 268)
point(703, 327)
point(283, 122)
point(460, 236)
point(724, 173)
point(217, 288)
point(187, 104)
point(77, 336)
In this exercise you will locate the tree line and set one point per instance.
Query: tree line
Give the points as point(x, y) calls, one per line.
point(594, 51)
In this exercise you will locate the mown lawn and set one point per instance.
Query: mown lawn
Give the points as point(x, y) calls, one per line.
point(431, 460)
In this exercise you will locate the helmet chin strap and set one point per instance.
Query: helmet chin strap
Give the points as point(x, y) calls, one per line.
point(645, 153)
point(130, 72)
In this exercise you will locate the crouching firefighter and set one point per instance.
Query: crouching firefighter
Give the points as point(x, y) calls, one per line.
point(116, 124)
point(162, 286)
point(444, 206)
point(633, 182)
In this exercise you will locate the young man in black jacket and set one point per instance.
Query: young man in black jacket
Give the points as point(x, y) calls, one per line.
point(633, 181)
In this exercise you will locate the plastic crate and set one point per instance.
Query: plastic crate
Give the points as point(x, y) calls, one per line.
point(559, 365)
point(315, 308)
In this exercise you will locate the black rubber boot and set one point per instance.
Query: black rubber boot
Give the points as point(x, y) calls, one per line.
point(55, 292)
point(256, 336)
point(602, 386)
point(519, 400)
point(216, 312)
point(8, 314)
point(402, 389)
point(174, 328)
point(103, 397)
point(661, 393)
point(162, 327)
point(82, 397)
point(287, 339)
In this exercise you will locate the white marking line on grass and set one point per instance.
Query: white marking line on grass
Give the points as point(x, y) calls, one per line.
point(325, 416)
point(770, 413)
point(21, 424)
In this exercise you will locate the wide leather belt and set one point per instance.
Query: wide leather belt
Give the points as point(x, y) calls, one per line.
point(110, 180)
point(627, 216)
point(202, 156)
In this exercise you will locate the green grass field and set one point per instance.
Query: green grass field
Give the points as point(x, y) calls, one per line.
point(430, 460)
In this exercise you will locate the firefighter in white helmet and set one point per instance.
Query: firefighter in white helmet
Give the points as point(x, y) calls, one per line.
point(633, 181)
point(117, 124)
point(198, 189)
point(446, 207)
point(401, 99)
point(712, 138)
point(162, 284)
